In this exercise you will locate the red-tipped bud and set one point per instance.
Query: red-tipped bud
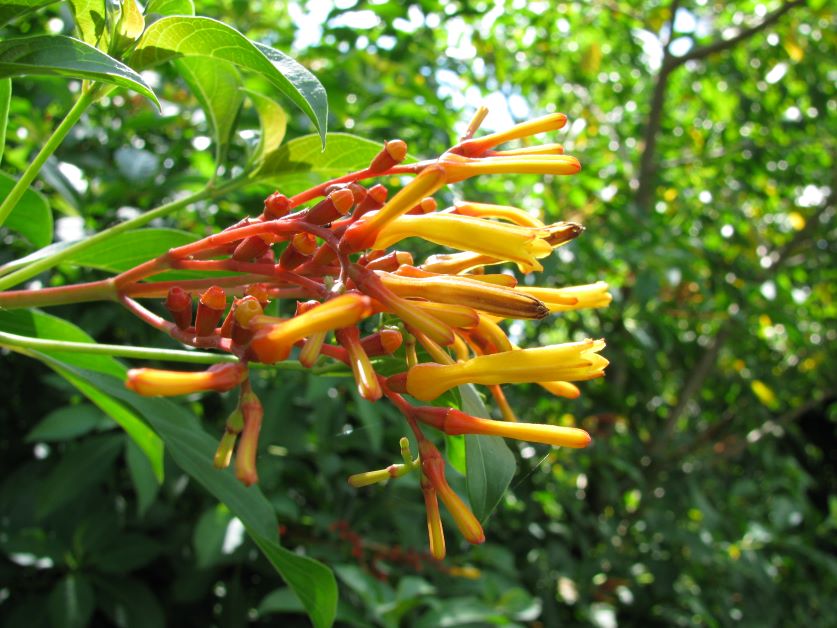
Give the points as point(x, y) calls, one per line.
point(250, 248)
point(332, 207)
point(156, 382)
point(299, 249)
point(245, 310)
point(260, 291)
point(211, 306)
point(426, 206)
point(179, 305)
point(276, 206)
point(393, 153)
point(376, 196)
point(384, 342)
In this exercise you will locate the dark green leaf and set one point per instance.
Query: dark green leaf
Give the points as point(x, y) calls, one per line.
point(280, 601)
point(13, 9)
point(301, 163)
point(183, 36)
point(491, 464)
point(143, 476)
point(5, 99)
point(208, 537)
point(67, 423)
point(217, 86)
point(71, 602)
point(64, 56)
point(31, 217)
point(129, 603)
point(79, 469)
point(127, 552)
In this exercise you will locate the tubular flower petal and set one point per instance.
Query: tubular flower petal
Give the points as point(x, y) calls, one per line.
point(456, 263)
point(561, 389)
point(576, 361)
point(362, 369)
point(489, 210)
point(362, 233)
point(454, 422)
point(460, 290)
point(435, 532)
point(433, 468)
point(502, 240)
point(245, 456)
point(273, 342)
point(460, 316)
point(218, 377)
point(458, 168)
point(573, 297)
point(540, 149)
point(478, 146)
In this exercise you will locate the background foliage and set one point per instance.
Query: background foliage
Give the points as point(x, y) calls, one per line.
point(706, 131)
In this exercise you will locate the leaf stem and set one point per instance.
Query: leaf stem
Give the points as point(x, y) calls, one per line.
point(86, 99)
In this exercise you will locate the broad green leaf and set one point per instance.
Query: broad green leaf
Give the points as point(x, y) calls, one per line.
point(280, 601)
point(273, 122)
point(127, 552)
point(490, 462)
point(31, 217)
point(209, 533)
point(216, 84)
point(129, 248)
point(128, 602)
point(5, 99)
point(78, 469)
point(143, 476)
point(301, 163)
point(71, 602)
point(170, 7)
point(67, 423)
point(64, 56)
point(91, 19)
point(13, 9)
point(183, 36)
point(192, 449)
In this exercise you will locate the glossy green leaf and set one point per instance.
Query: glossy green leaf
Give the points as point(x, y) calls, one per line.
point(217, 86)
point(67, 423)
point(12, 9)
point(273, 122)
point(5, 99)
point(182, 36)
point(71, 602)
point(490, 462)
point(78, 469)
point(301, 163)
point(280, 601)
point(170, 7)
point(64, 56)
point(90, 17)
point(129, 248)
point(31, 217)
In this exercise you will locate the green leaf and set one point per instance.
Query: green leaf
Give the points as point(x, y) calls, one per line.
point(79, 469)
point(209, 533)
point(170, 7)
point(217, 86)
point(12, 9)
point(143, 476)
point(301, 163)
point(280, 601)
point(125, 553)
point(31, 217)
point(67, 423)
point(129, 602)
point(184, 36)
point(71, 602)
point(5, 99)
point(129, 248)
point(273, 122)
point(91, 19)
point(64, 56)
point(491, 464)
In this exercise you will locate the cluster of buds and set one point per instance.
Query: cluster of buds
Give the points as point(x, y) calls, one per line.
point(358, 300)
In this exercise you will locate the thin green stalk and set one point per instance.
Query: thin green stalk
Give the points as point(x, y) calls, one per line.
point(45, 263)
point(10, 202)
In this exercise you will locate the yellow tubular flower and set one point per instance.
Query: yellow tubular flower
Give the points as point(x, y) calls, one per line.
point(364, 373)
point(459, 316)
point(459, 168)
point(575, 361)
point(573, 297)
point(489, 210)
point(478, 146)
point(540, 149)
point(273, 342)
point(482, 296)
point(561, 389)
point(156, 382)
point(455, 263)
point(362, 233)
point(435, 532)
point(502, 240)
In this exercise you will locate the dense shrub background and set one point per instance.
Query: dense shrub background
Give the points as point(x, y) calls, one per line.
point(708, 496)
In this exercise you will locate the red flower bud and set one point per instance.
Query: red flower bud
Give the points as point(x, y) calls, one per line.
point(211, 306)
point(179, 305)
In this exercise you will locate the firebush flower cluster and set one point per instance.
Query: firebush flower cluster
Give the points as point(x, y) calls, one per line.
point(358, 298)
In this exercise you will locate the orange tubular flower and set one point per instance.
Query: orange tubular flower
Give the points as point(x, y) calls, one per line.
point(454, 422)
point(502, 240)
point(576, 361)
point(476, 147)
point(155, 382)
point(435, 532)
point(274, 339)
point(433, 468)
point(362, 369)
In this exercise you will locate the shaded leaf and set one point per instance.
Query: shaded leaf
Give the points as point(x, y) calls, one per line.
point(71, 602)
point(273, 122)
point(5, 99)
point(129, 603)
point(64, 56)
point(91, 19)
point(67, 423)
point(143, 476)
point(183, 36)
point(209, 533)
point(12, 9)
point(31, 217)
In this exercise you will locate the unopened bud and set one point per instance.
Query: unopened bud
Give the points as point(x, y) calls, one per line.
point(179, 305)
point(276, 206)
point(211, 306)
point(392, 154)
